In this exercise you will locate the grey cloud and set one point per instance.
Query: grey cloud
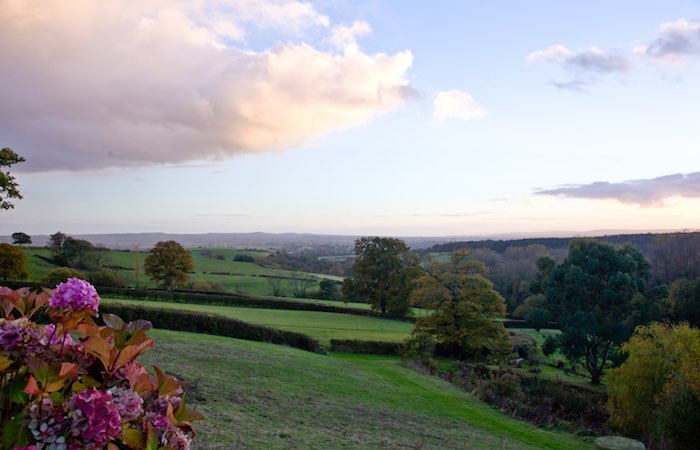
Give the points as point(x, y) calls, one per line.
point(645, 192)
point(676, 42)
point(598, 62)
point(583, 65)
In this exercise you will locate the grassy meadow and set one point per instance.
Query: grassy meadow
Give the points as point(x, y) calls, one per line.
point(323, 326)
point(210, 265)
point(262, 396)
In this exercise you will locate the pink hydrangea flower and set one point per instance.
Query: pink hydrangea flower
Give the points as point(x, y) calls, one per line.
point(12, 333)
point(75, 294)
point(94, 417)
point(128, 403)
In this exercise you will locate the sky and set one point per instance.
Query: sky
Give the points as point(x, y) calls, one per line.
point(402, 118)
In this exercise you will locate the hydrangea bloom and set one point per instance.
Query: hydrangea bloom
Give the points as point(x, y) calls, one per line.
point(46, 424)
point(12, 333)
point(128, 403)
point(94, 417)
point(170, 435)
point(75, 294)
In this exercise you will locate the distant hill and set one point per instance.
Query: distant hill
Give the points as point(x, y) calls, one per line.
point(641, 241)
point(343, 244)
point(268, 241)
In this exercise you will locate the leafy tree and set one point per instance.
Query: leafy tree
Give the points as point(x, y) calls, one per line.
point(8, 185)
point(13, 262)
point(684, 301)
point(169, 264)
point(590, 296)
point(56, 241)
point(464, 304)
point(61, 274)
point(20, 238)
point(328, 290)
point(655, 393)
point(384, 270)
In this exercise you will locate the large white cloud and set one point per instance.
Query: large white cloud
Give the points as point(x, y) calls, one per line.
point(676, 43)
point(90, 84)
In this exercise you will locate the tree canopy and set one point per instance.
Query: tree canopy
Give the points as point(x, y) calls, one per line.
point(383, 273)
point(20, 238)
point(169, 264)
point(590, 296)
point(655, 393)
point(13, 262)
point(9, 189)
point(464, 304)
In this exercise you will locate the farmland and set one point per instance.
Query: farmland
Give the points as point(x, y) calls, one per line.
point(320, 325)
point(211, 265)
point(265, 396)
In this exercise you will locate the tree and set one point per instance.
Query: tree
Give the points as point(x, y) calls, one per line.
point(56, 241)
point(675, 255)
point(590, 296)
point(20, 238)
point(169, 264)
point(13, 262)
point(655, 393)
point(328, 290)
point(8, 185)
point(464, 304)
point(383, 271)
point(684, 301)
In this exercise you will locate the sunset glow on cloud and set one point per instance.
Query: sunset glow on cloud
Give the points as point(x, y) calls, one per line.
point(100, 85)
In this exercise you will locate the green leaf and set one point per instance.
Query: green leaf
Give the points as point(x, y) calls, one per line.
point(133, 438)
point(15, 391)
point(15, 433)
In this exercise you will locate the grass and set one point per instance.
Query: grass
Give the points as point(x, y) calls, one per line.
point(234, 276)
point(262, 396)
point(320, 325)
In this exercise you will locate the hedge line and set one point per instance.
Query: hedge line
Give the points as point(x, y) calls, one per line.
point(366, 347)
point(178, 320)
point(219, 299)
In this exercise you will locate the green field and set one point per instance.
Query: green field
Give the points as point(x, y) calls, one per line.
point(320, 325)
point(262, 396)
point(234, 276)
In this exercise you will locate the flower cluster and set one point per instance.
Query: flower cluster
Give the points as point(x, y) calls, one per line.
point(94, 417)
point(82, 392)
point(75, 294)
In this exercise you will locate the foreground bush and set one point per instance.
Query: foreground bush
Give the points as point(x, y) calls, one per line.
point(73, 385)
point(655, 394)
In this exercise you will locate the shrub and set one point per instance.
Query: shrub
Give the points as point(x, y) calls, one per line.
point(106, 278)
point(61, 274)
point(72, 384)
point(655, 393)
point(244, 258)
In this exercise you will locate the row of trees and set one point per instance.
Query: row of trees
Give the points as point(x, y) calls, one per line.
point(596, 296)
point(392, 279)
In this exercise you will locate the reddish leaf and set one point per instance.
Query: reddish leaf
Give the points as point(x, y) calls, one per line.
point(131, 352)
point(32, 387)
point(69, 370)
